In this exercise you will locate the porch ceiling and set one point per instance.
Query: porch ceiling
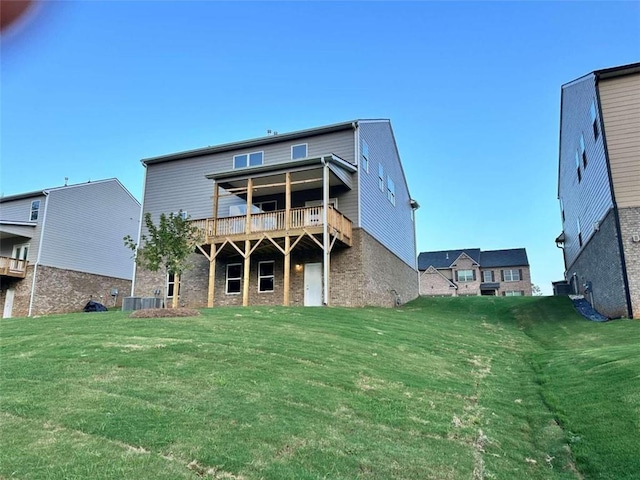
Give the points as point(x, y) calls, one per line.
point(17, 231)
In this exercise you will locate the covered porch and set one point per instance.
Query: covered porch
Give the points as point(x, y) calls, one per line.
point(277, 208)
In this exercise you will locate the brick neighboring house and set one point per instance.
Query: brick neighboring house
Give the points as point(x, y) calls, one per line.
point(61, 246)
point(474, 272)
point(314, 217)
point(599, 188)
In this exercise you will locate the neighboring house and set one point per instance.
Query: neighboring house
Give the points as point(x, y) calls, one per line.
point(474, 272)
point(314, 217)
point(599, 188)
point(61, 246)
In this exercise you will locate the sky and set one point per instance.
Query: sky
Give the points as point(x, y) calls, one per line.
point(472, 89)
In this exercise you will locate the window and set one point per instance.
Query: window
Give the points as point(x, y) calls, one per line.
point(234, 278)
point(513, 293)
point(578, 166)
point(584, 152)
point(171, 285)
point(181, 213)
point(299, 151)
point(381, 177)
point(391, 191)
point(594, 120)
point(512, 275)
point(248, 160)
point(579, 232)
point(265, 276)
point(465, 275)
point(562, 209)
point(365, 156)
point(487, 276)
point(269, 206)
point(35, 208)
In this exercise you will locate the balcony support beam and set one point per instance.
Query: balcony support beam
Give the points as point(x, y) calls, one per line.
point(325, 230)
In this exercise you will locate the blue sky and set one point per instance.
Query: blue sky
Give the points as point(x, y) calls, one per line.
point(472, 90)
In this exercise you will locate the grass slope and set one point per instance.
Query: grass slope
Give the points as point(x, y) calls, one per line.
point(458, 388)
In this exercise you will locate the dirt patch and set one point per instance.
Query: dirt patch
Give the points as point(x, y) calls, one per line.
point(164, 313)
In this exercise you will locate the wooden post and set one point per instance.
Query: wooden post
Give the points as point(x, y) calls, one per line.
point(246, 276)
point(212, 277)
point(216, 197)
point(287, 268)
point(247, 228)
point(287, 204)
point(176, 290)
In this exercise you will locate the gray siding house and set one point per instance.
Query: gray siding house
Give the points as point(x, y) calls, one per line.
point(61, 246)
point(599, 188)
point(314, 217)
point(472, 271)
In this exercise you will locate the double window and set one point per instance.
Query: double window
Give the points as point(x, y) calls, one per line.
point(253, 159)
point(511, 275)
point(465, 275)
point(513, 293)
point(35, 209)
point(171, 285)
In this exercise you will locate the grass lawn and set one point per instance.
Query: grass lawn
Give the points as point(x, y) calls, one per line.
point(463, 388)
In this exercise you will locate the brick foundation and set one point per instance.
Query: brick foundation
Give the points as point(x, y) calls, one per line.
point(630, 226)
point(61, 291)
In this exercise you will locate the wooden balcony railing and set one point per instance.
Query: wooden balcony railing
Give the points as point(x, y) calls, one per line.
point(13, 267)
point(300, 219)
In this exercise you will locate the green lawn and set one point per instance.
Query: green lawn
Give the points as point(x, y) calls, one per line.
point(462, 388)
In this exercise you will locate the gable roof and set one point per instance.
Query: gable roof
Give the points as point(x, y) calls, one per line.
point(444, 258)
point(514, 257)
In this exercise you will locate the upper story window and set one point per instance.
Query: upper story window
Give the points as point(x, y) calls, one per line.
point(487, 276)
point(365, 156)
point(35, 209)
point(465, 275)
point(579, 232)
point(511, 275)
point(248, 160)
point(594, 120)
point(299, 151)
point(381, 177)
point(578, 167)
point(391, 191)
point(562, 208)
point(583, 151)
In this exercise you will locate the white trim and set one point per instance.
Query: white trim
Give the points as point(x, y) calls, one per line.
point(31, 219)
point(35, 267)
point(248, 155)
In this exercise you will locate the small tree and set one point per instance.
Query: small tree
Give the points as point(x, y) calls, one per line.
point(536, 290)
point(166, 246)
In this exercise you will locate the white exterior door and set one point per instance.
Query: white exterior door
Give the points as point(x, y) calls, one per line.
point(8, 303)
point(313, 284)
point(21, 252)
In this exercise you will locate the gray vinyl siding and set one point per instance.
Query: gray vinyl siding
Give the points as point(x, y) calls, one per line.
point(181, 184)
point(20, 211)
point(390, 225)
point(620, 99)
point(84, 228)
point(590, 199)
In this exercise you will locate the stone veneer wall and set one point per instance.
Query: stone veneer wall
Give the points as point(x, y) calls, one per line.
point(361, 275)
point(599, 263)
point(630, 226)
point(62, 291)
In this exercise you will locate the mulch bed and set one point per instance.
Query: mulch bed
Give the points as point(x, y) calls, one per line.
point(164, 313)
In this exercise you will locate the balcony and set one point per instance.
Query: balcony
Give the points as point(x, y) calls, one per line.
point(13, 267)
point(303, 220)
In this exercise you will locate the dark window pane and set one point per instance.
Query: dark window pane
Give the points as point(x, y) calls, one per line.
point(266, 284)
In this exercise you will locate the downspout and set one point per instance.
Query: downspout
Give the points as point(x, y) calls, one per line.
point(35, 267)
point(325, 229)
point(135, 254)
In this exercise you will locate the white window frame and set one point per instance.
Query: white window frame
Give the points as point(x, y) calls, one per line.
point(227, 279)
point(513, 293)
point(469, 279)
point(510, 276)
point(306, 150)
point(271, 276)
point(248, 159)
point(381, 177)
point(35, 208)
point(365, 156)
point(484, 276)
point(19, 251)
point(171, 284)
point(391, 191)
